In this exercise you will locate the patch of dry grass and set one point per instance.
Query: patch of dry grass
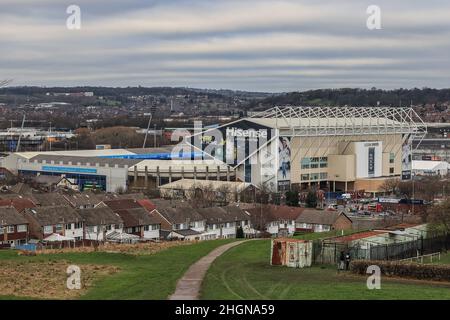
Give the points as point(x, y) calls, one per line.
point(134, 249)
point(47, 280)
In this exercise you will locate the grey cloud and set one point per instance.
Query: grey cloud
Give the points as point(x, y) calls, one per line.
point(254, 45)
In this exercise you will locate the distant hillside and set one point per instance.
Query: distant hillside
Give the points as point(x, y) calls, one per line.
point(357, 97)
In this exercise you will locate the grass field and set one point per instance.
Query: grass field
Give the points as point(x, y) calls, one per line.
point(244, 272)
point(140, 277)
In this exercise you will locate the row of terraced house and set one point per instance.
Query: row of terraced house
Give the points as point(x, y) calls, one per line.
point(88, 216)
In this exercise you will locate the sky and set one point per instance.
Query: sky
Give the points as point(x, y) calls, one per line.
point(254, 45)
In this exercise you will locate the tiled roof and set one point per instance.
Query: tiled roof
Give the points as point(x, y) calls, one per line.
point(274, 212)
point(99, 216)
point(137, 217)
point(82, 199)
point(19, 203)
point(313, 216)
point(180, 214)
point(51, 215)
point(9, 216)
point(122, 204)
point(223, 214)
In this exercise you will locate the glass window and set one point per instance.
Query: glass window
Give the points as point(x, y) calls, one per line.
point(391, 170)
point(314, 165)
point(48, 229)
point(22, 228)
point(10, 229)
point(391, 157)
point(314, 176)
point(323, 165)
point(305, 163)
point(146, 228)
point(68, 226)
point(305, 177)
point(323, 176)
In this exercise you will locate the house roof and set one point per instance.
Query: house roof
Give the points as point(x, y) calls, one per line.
point(99, 216)
point(54, 215)
point(313, 216)
point(186, 232)
point(147, 204)
point(116, 196)
point(177, 215)
point(122, 204)
point(162, 203)
point(137, 217)
point(274, 213)
point(48, 199)
point(223, 214)
point(82, 199)
point(21, 188)
point(9, 216)
point(18, 203)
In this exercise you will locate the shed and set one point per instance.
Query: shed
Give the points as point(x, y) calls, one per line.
point(290, 252)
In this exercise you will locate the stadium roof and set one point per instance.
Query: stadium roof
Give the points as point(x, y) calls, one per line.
point(330, 121)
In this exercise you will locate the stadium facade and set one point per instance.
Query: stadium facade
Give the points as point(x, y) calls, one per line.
point(337, 148)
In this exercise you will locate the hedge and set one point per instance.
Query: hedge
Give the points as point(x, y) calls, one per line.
point(434, 272)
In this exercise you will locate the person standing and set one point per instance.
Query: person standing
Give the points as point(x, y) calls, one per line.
point(347, 261)
point(342, 261)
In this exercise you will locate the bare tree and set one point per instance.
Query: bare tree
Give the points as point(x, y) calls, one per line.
point(439, 217)
point(390, 186)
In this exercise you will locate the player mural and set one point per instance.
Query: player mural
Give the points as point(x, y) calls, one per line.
point(407, 157)
point(284, 169)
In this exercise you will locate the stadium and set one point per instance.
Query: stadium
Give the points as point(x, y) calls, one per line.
point(334, 148)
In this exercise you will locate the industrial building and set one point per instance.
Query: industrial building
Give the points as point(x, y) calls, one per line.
point(112, 170)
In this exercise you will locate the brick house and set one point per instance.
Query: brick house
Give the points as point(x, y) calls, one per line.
point(64, 220)
point(311, 220)
point(222, 222)
point(276, 220)
point(13, 227)
point(99, 222)
point(136, 218)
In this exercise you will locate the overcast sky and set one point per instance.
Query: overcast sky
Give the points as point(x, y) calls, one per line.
point(278, 45)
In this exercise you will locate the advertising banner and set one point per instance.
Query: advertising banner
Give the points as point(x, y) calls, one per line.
point(407, 157)
point(233, 143)
point(369, 158)
point(371, 162)
point(284, 160)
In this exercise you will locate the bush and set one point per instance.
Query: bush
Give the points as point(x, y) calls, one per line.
point(404, 269)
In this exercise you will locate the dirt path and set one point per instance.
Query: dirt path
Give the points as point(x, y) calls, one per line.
point(188, 287)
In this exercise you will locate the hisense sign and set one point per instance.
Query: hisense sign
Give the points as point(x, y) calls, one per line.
point(246, 133)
